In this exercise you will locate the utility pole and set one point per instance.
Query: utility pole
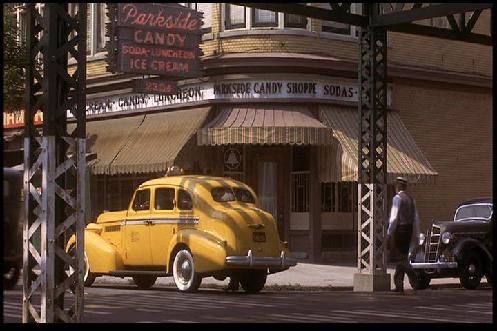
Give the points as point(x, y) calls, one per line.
point(54, 164)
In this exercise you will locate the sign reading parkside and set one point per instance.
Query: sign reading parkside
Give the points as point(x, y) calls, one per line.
point(158, 39)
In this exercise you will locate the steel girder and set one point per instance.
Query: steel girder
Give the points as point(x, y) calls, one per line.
point(396, 17)
point(372, 153)
point(54, 165)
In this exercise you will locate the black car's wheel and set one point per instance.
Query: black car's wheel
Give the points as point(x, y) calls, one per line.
point(11, 274)
point(471, 270)
point(144, 282)
point(253, 281)
point(184, 273)
point(419, 280)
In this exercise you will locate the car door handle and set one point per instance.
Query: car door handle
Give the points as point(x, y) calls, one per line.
point(149, 222)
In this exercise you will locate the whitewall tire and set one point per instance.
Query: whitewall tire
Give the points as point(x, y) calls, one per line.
point(185, 276)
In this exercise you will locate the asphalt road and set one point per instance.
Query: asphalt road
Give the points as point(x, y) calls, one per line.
point(125, 303)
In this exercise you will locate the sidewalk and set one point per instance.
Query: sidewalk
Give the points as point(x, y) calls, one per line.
point(325, 276)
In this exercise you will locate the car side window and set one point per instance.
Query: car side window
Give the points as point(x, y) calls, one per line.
point(142, 200)
point(164, 199)
point(185, 200)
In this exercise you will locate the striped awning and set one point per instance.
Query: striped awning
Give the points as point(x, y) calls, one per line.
point(264, 125)
point(141, 144)
point(338, 162)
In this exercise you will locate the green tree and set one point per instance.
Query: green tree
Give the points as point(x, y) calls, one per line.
point(14, 61)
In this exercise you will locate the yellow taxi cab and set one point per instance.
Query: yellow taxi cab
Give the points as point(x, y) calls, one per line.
point(189, 227)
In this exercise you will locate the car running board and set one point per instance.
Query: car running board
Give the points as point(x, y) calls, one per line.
point(129, 273)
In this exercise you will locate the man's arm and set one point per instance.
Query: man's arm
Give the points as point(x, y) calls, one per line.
point(392, 223)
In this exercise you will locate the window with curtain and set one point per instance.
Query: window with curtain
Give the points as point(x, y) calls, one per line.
point(335, 27)
point(99, 29)
point(235, 16)
point(264, 18)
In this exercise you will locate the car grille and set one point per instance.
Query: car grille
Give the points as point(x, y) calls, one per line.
point(432, 244)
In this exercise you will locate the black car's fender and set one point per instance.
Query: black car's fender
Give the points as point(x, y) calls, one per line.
point(468, 244)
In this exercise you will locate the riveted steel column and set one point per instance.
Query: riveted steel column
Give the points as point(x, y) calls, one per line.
point(372, 165)
point(54, 165)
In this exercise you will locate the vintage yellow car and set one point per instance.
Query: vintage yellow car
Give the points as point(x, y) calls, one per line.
point(189, 227)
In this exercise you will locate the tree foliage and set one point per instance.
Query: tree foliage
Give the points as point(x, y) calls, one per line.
point(14, 61)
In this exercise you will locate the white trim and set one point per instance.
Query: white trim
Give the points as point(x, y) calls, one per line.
point(149, 221)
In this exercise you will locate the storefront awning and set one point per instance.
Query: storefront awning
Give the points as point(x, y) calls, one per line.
point(141, 144)
point(265, 125)
point(339, 161)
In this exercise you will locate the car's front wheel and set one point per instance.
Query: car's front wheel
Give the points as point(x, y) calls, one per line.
point(471, 270)
point(89, 277)
point(144, 282)
point(185, 276)
point(253, 281)
point(419, 280)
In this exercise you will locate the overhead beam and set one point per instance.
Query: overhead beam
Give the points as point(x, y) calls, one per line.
point(442, 33)
point(407, 16)
point(310, 11)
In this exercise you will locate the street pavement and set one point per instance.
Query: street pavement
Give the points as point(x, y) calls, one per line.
point(312, 275)
point(163, 304)
point(305, 293)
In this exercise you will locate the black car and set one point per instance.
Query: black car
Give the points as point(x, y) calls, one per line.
point(458, 248)
point(12, 227)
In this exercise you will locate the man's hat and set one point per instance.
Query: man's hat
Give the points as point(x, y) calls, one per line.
point(401, 180)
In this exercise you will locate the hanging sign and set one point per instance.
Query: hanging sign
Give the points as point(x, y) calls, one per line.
point(158, 39)
point(156, 86)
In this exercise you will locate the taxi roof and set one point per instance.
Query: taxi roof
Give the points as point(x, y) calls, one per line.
point(197, 179)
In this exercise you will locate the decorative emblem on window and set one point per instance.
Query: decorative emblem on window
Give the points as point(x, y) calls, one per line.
point(232, 159)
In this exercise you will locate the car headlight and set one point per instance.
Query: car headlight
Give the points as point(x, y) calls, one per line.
point(421, 239)
point(446, 237)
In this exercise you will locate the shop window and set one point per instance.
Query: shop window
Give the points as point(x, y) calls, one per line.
point(142, 200)
point(264, 18)
point(338, 197)
point(300, 192)
point(338, 240)
point(113, 195)
point(95, 26)
point(295, 21)
point(233, 158)
point(164, 199)
point(185, 201)
point(301, 158)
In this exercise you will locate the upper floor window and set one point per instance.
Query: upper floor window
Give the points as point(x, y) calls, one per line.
point(236, 17)
point(340, 28)
point(205, 8)
point(264, 18)
point(95, 26)
point(240, 17)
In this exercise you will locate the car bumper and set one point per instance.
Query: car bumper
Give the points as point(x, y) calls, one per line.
point(250, 260)
point(434, 265)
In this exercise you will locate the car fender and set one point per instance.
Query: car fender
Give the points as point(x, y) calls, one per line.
point(471, 243)
point(209, 252)
point(103, 257)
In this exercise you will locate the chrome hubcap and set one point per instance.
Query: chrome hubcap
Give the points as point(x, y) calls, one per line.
point(184, 271)
point(472, 269)
point(9, 274)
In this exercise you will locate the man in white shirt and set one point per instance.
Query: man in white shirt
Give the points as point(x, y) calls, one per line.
point(403, 232)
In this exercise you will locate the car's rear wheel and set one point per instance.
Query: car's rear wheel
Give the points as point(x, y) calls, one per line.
point(253, 281)
point(471, 270)
point(11, 272)
point(184, 273)
point(144, 282)
point(419, 280)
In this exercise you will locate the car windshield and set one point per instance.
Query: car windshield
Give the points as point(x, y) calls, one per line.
point(473, 211)
point(227, 194)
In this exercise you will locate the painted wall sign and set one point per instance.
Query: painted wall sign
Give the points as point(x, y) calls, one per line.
point(16, 119)
point(232, 159)
point(158, 39)
point(155, 86)
point(306, 90)
point(243, 90)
